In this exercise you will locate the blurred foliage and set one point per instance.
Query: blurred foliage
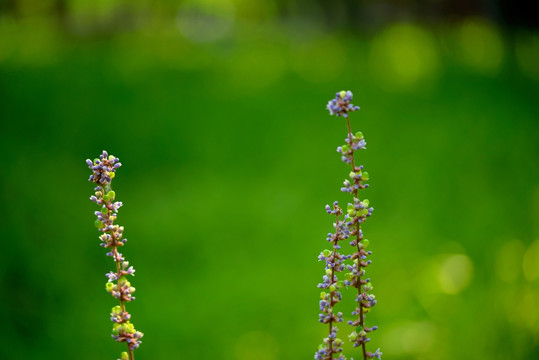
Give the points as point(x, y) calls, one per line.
point(217, 114)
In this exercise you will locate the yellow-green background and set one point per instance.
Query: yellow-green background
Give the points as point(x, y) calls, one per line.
point(228, 161)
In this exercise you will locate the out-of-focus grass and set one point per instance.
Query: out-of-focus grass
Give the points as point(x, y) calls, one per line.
point(229, 158)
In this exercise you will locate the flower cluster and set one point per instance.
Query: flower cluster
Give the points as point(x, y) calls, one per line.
point(103, 168)
point(334, 264)
point(356, 214)
point(103, 171)
point(353, 143)
point(341, 106)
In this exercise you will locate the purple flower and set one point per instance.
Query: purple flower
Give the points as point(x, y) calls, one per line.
point(340, 106)
point(103, 168)
point(377, 354)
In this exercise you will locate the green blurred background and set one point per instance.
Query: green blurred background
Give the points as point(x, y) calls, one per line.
point(217, 112)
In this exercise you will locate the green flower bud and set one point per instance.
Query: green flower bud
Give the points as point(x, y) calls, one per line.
point(332, 288)
point(345, 149)
point(109, 286)
point(365, 176)
point(342, 94)
point(352, 336)
point(129, 328)
point(359, 135)
point(326, 252)
point(365, 243)
point(323, 295)
point(359, 328)
point(115, 328)
point(328, 272)
point(98, 224)
point(125, 356)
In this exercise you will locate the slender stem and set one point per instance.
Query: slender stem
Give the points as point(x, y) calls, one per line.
point(108, 204)
point(118, 268)
point(122, 303)
point(351, 148)
point(358, 228)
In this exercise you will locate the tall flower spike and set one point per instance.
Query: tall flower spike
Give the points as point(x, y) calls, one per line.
point(103, 171)
point(357, 211)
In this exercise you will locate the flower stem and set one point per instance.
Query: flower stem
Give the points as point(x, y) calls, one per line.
point(358, 238)
point(103, 171)
point(115, 241)
point(122, 303)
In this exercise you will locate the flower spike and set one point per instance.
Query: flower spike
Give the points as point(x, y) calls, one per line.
point(103, 171)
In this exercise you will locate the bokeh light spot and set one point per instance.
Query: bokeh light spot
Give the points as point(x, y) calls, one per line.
point(403, 56)
point(257, 345)
point(410, 338)
point(480, 46)
point(7, 37)
point(32, 7)
point(207, 20)
point(527, 54)
point(508, 260)
point(529, 311)
point(455, 273)
point(530, 263)
point(83, 10)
